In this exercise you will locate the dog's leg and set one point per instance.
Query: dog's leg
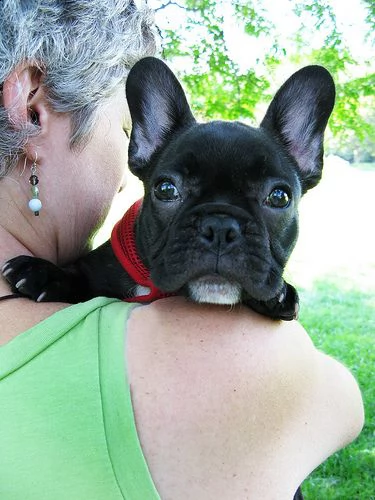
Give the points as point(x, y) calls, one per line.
point(285, 306)
point(97, 274)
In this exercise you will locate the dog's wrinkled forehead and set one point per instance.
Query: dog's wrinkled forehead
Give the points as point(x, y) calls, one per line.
point(226, 149)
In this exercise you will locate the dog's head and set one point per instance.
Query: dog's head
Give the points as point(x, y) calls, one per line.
point(220, 213)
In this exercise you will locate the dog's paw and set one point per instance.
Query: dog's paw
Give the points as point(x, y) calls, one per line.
point(285, 306)
point(36, 279)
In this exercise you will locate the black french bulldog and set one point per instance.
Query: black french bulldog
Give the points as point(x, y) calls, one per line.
point(219, 217)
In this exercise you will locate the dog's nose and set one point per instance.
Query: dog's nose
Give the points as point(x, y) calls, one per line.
point(219, 231)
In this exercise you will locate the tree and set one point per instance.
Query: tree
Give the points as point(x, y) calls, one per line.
point(219, 86)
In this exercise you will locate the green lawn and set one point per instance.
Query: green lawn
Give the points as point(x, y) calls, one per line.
point(341, 323)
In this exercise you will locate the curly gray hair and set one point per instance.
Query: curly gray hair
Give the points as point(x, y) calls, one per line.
point(85, 49)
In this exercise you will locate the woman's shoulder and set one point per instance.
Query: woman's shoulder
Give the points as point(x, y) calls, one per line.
point(235, 332)
point(258, 393)
point(260, 353)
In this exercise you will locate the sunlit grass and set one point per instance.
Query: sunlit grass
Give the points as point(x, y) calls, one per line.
point(341, 322)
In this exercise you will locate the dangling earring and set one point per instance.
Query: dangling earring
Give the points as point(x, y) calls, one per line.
point(34, 204)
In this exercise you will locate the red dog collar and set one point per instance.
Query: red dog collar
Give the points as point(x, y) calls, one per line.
point(123, 245)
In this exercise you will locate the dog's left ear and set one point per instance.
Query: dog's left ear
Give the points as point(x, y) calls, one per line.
point(297, 118)
point(158, 108)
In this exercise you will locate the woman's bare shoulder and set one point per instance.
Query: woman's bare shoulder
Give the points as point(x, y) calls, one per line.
point(229, 331)
point(260, 344)
point(257, 391)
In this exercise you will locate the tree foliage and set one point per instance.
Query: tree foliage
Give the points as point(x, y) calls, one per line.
point(219, 86)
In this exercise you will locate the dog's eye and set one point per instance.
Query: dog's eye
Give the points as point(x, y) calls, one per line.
point(166, 191)
point(278, 198)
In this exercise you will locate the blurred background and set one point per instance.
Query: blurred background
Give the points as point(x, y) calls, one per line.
point(231, 57)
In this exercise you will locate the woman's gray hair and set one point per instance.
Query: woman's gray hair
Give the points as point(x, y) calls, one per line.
point(84, 48)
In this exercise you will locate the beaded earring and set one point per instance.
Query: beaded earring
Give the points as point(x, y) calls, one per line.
point(34, 204)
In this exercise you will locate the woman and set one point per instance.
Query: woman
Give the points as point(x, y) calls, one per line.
point(223, 404)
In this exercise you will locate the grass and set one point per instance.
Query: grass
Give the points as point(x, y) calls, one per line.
point(341, 323)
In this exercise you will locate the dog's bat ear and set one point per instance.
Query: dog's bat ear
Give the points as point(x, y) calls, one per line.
point(298, 116)
point(158, 108)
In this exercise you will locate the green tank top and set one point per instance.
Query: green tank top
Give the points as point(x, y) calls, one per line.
point(67, 429)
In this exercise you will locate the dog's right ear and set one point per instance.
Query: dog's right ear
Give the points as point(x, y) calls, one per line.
point(158, 108)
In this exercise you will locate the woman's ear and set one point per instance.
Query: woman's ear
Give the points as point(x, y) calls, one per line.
point(21, 96)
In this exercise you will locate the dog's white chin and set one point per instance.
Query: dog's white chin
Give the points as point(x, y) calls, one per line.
point(214, 290)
